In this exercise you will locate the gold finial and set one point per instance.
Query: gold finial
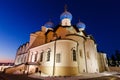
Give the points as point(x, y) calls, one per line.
point(65, 7)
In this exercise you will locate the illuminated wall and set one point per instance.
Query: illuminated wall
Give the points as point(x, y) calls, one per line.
point(102, 61)
point(91, 56)
point(61, 57)
point(22, 54)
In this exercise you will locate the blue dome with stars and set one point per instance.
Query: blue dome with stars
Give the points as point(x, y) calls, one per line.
point(81, 25)
point(66, 14)
point(49, 25)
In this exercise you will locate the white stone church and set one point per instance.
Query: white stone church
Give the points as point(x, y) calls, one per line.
point(62, 50)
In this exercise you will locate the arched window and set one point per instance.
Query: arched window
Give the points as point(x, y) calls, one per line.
point(74, 55)
point(31, 57)
point(24, 59)
point(35, 59)
point(48, 54)
point(41, 56)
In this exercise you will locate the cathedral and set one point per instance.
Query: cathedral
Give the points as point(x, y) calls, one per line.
point(59, 50)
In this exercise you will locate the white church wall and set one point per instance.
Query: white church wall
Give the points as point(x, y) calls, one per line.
point(91, 57)
point(45, 66)
point(67, 65)
point(80, 52)
point(102, 61)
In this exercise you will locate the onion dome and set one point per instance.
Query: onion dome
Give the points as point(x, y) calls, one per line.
point(81, 25)
point(67, 15)
point(49, 25)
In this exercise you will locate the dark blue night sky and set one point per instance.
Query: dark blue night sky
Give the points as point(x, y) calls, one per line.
point(19, 18)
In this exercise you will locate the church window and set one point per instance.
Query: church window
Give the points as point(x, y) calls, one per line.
point(74, 55)
point(31, 57)
point(22, 57)
point(58, 58)
point(48, 55)
point(35, 59)
point(25, 59)
point(41, 56)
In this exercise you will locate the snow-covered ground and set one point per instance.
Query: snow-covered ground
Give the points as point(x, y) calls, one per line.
point(80, 76)
point(100, 76)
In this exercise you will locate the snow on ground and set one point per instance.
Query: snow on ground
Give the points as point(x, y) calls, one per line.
point(80, 76)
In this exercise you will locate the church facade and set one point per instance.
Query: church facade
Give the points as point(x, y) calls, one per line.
point(62, 50)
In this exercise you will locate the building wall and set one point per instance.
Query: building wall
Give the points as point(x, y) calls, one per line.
point(66, 66)
point(114, 69)
point(22, 54)
point(80, 52)
point(44, 65)
point(102, 61)
point(21, 58)
point(63, 47)
point(19, 69)
point(91, 56)
point(87, 53)
point(32, 69)
point(2, 68)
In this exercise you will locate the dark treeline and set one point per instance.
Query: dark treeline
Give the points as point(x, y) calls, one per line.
point(114, 60)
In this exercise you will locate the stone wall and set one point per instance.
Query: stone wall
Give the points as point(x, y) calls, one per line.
point(114, 69)
point(16, 69)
